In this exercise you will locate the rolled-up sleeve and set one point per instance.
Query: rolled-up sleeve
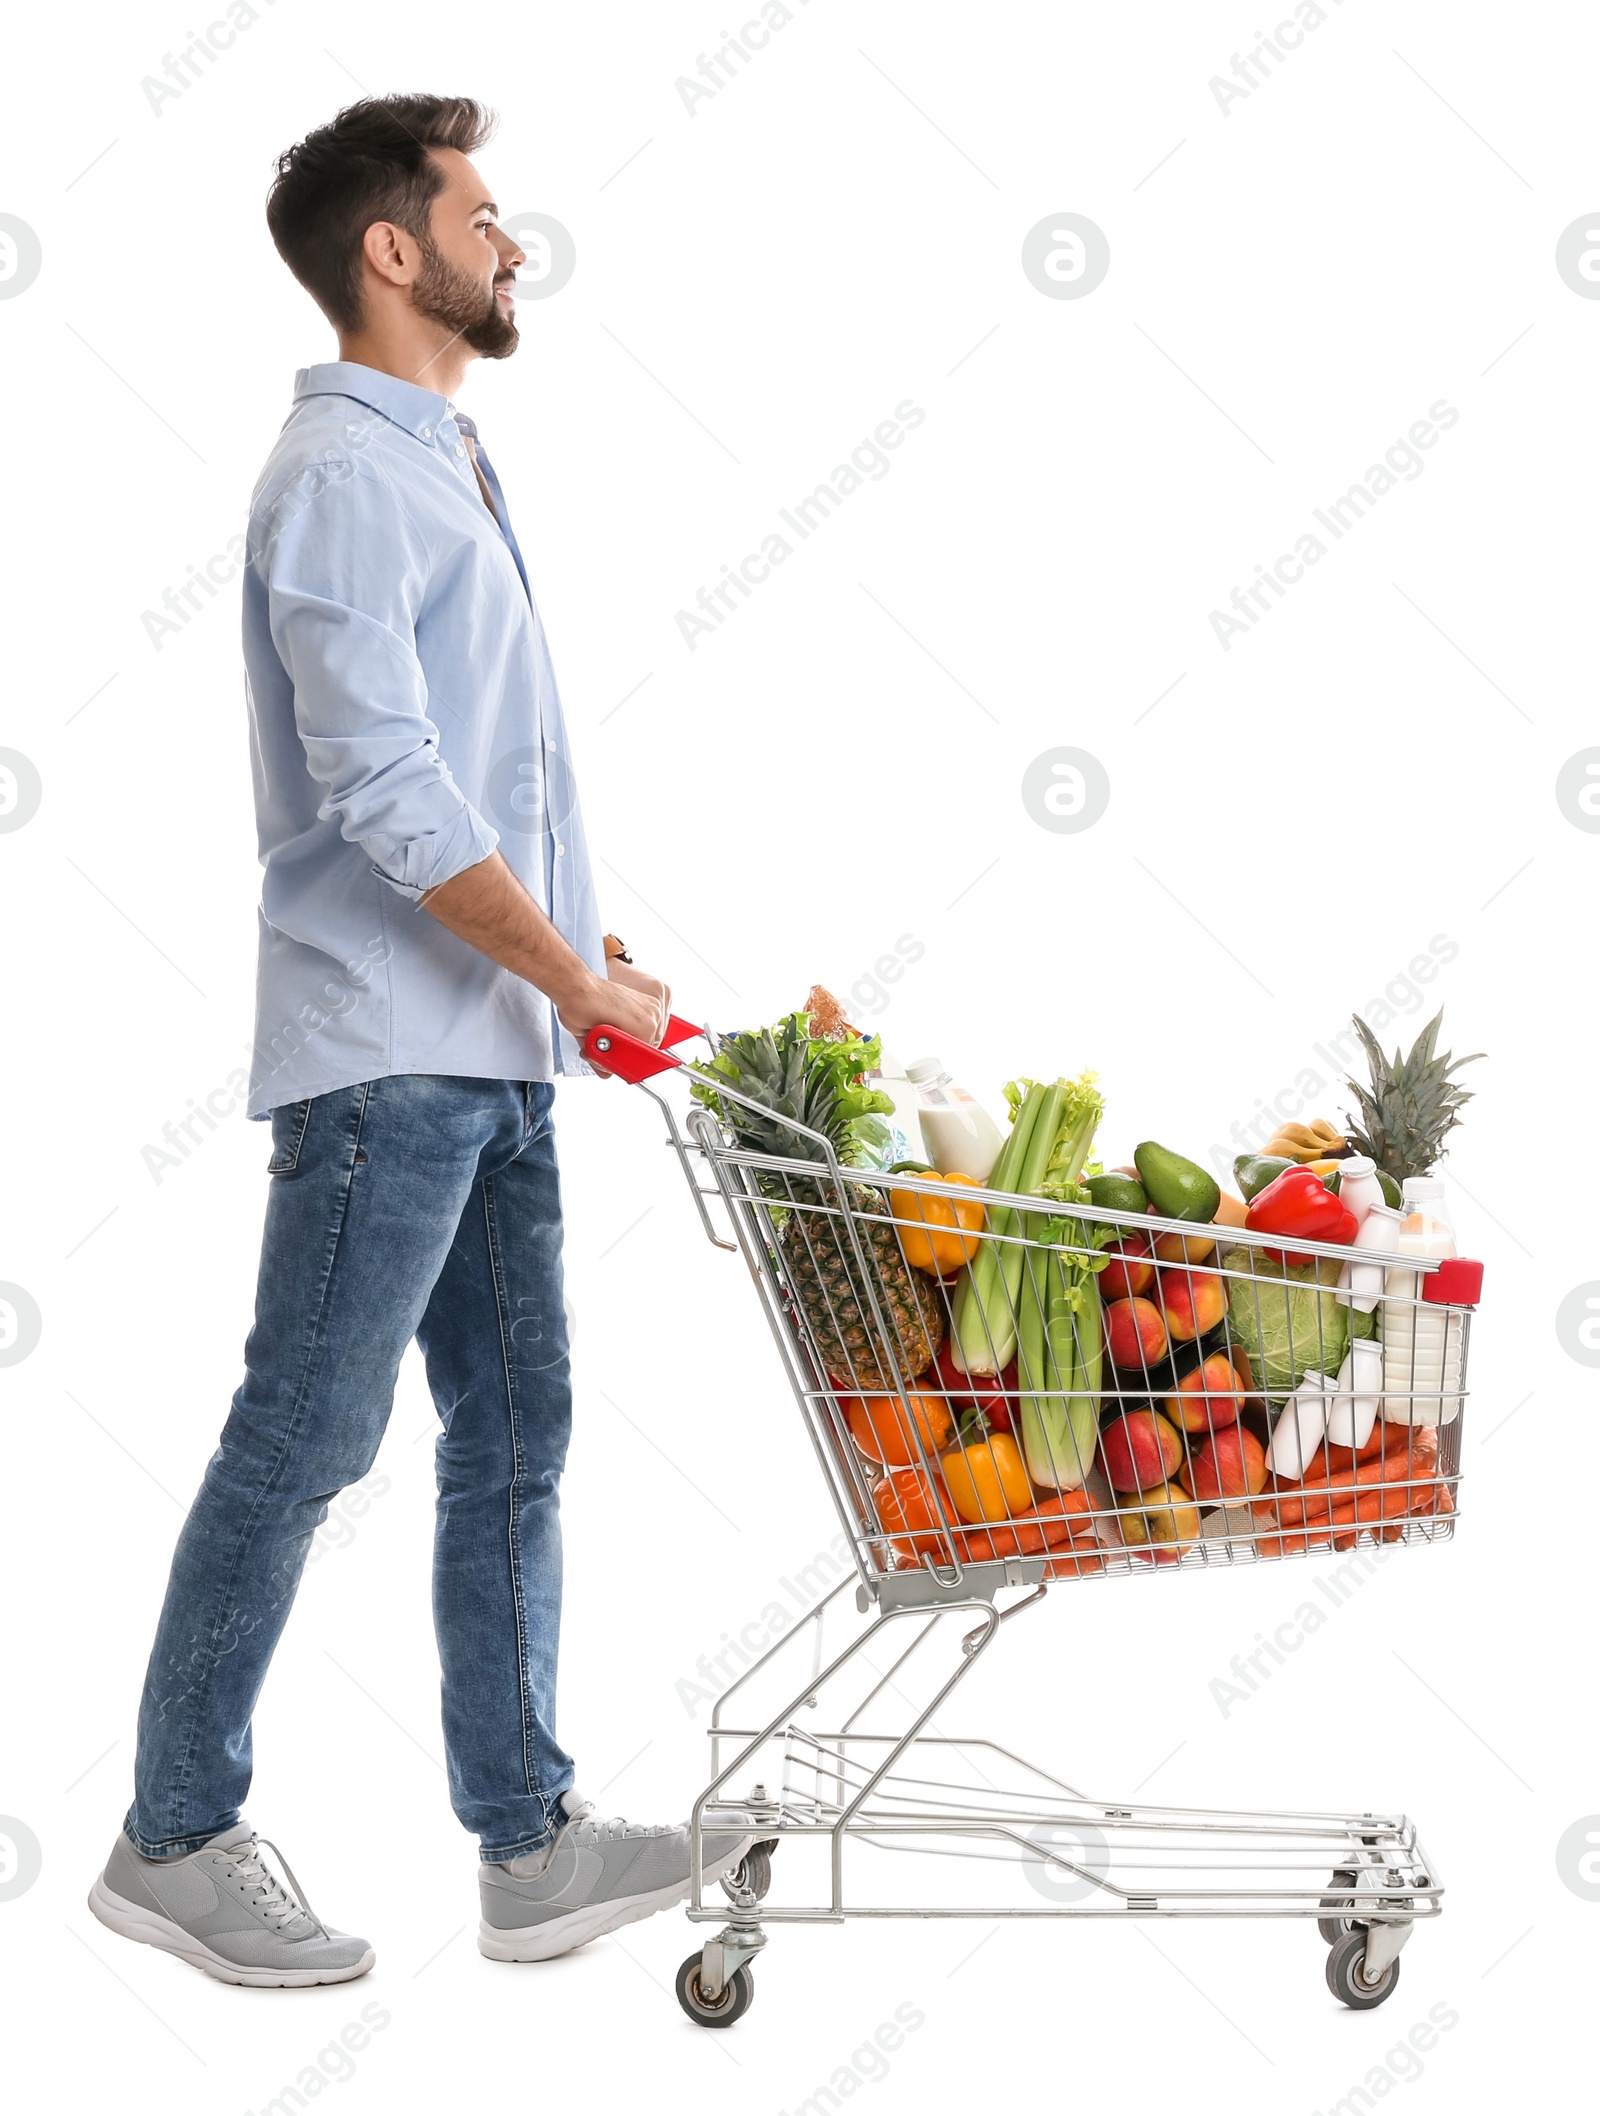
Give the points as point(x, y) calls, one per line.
point(344, 573)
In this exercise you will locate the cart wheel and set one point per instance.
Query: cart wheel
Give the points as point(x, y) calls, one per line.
point(1345, 1978)
point(1337, 1928)
point(754, 1871)
point(736, 1998)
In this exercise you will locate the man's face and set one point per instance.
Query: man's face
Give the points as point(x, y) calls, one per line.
point(468, 264)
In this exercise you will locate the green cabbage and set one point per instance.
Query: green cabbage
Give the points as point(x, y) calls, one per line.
point(1286, 1319)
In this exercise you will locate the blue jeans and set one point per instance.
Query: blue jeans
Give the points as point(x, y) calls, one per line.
point(412, 1206)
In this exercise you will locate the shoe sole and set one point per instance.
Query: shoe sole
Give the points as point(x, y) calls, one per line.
point(150, 1929)
point(542, 1943)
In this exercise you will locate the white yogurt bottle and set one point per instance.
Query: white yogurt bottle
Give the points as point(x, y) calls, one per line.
point(958, 1134)
point(1301, 1425)
point(1359, 1188)
point(1360, 1285)
point(1354, 1408)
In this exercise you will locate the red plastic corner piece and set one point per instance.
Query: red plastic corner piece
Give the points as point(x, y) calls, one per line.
point(629, 1057)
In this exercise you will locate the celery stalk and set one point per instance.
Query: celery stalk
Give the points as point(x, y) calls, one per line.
point(1052, 1127)
point(982, 1319)
point(1060, 1365)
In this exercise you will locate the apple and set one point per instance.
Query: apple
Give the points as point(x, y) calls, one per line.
point(1129, 1270)
point(1136, 1336)
point(1231, 1464)
point(1192, 1303)
point(1207, 1396)
point(1184, 1248)
point(1139, 1449)
point(1162, 1522)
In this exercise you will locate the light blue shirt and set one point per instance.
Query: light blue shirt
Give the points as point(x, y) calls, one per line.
point(404, 722)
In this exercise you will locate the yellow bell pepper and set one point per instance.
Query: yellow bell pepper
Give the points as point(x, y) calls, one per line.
point(988, 1481)
point(951, 1225)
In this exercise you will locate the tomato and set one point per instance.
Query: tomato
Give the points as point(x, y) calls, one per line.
point(881, 1428)
point(910, 1502)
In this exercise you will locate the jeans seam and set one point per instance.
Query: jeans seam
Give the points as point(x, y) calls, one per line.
point(182, 1774)
point(513, 1543)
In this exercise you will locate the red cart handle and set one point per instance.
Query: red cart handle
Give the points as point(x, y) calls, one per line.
point(630, 1057)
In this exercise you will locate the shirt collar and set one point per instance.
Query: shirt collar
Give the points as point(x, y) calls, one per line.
point(419, 411)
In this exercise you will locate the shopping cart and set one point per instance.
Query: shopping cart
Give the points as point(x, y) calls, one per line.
point(840, 1745)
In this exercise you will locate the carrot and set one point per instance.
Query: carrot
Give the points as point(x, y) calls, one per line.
point(1061, 1518)
point(1384, 1439)
point(1342, 1518)
point(1402, 1467)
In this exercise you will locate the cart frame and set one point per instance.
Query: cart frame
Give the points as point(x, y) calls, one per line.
point(818, 1774)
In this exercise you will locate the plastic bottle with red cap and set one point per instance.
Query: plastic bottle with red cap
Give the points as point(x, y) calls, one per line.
point(1457, 1284)
point(1421, 1330)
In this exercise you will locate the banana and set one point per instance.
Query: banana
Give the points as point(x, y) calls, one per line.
point(1316, 1141)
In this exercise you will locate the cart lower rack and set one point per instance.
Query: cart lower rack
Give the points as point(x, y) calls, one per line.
point(1281, 1410)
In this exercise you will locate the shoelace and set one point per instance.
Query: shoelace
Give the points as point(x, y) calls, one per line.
point(589, 1827)
point(280, 1906)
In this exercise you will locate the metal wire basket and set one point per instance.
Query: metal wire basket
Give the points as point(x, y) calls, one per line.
point(1262, 1403)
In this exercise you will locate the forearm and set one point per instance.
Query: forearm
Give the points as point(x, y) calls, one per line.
point(488, 908)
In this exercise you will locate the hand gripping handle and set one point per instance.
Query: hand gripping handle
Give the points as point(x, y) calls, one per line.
point(632, 1059)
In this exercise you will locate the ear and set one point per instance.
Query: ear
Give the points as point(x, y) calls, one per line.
point(391, 252)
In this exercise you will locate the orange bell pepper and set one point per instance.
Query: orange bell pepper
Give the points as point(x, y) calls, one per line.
point(950, 1223)
point(988, 1480)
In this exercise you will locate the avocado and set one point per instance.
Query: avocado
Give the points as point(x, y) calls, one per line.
point(1178, 1189)
point(1253, 1172)
point(1392, 1193)
point(1331, 1181)
point(1117, 1193)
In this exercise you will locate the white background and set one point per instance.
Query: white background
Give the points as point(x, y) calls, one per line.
point(1371, 766)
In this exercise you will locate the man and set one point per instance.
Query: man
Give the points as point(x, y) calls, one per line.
point(430, 958)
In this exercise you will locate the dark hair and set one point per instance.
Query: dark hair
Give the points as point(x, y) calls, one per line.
point(372, 163)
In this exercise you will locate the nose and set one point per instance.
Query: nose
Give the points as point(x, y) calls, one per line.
point(512, 257)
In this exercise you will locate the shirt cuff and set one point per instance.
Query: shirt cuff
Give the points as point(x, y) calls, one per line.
point(416, 865)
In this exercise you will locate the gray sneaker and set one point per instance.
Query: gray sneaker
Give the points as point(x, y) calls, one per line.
point(225, 1910)
point(598, 1873)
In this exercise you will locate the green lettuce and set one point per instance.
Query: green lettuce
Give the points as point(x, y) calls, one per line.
point(1285, 1318)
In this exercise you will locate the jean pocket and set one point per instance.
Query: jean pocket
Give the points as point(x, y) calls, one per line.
point(289, 1123)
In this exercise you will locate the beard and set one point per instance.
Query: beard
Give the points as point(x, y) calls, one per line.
point(457, 300)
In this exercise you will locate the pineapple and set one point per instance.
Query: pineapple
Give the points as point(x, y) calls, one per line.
point(817, 1082)
point(1411, 1105)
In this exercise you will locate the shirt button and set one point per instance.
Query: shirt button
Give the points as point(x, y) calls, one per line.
point(427, 433)
point(460, 451)
point(560, 849)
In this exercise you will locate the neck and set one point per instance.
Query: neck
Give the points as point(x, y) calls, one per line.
point(430, 357)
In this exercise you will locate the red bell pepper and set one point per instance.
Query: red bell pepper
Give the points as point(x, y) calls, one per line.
point(1298, 1202)
point(993, 1394)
